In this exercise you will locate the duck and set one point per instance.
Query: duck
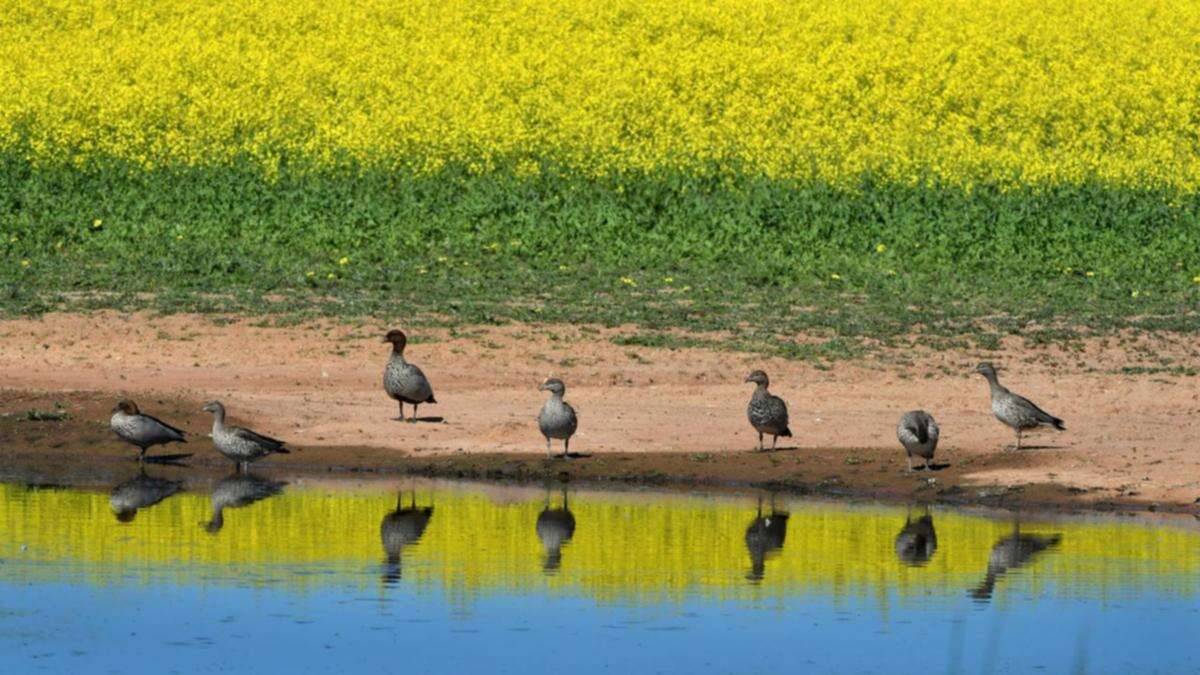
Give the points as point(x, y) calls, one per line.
point(557, 418)
point(1017, 412)
point(238, 490)
point(140, 492)
point(767, 412)
point(1012, 552)
point(239, 444)
point(402, 527)
point(917, 541)
point(139, 429)
point(918, 433)
point(764, 535)
point(404, 381)
point(555, 527)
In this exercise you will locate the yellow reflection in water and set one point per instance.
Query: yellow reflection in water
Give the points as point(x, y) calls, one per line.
point(622, 546)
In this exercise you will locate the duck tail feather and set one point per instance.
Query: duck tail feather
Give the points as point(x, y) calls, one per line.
point(1058, 424)
point(431, 399)
point(787, 433)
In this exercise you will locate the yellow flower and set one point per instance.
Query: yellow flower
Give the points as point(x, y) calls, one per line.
point(343, 261)
point(13, 239)
point(835, 277)
point(1090, 274)
point(179, 237)
point(310, 274)
point(628, 281)
point(24, 263)
point(1068, 270)
point(880, 247)
point(97, 223)
point(421, 270)
point(442, 258)
point(1135, 293)
point(668, 280)
point(331, 275)
point(891, 273)
point(686, 288)
point(1196, 279)
point(563, 268)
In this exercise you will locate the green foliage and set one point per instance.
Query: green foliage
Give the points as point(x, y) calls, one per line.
point(762, 259)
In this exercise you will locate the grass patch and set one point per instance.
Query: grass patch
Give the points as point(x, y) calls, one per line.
point(760, 263)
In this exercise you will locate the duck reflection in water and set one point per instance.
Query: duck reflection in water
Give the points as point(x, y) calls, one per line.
point(764, 536)
point(238, 490)
point(917, 541)
point(140, 492)
point(1010, 553)
point(555, 527)
point(400, 528)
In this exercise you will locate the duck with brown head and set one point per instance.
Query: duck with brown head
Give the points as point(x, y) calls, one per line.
point(142, 430)
point(403, 381)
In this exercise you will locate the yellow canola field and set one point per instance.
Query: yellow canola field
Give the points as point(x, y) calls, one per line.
point(1007, 91)
point(625, 547)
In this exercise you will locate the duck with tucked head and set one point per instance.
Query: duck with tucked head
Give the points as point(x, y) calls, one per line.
point(918, 433)
point(404, 381)
point(239, 444)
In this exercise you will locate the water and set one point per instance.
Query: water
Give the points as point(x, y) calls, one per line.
point(327, 576)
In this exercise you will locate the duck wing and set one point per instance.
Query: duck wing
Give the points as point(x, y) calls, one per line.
point(154, 420)
point(1039, 414)
point(272, 444)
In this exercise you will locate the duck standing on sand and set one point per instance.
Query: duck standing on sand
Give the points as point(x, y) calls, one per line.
point(557, 418)
point(767, 412)
point(1017, 412)
point(402, 380)
point(918, 433)
point(240, 445)
point(142, 430)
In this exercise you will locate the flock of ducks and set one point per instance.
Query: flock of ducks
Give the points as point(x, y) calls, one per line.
point(405, 383)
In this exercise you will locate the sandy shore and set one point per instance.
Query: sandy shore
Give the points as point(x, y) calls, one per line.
point(647, 415)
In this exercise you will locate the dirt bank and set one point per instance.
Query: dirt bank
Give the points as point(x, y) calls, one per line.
point(648, 415)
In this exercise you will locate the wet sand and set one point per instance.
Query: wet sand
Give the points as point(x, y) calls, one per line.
point(648, 416)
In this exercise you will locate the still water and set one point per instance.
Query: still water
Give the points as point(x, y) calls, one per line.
point(256, 574)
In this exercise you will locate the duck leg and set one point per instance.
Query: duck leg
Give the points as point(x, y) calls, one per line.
point(401, 417)
point(1018, 439)
point(566, 445)
point(142, 456)
point(414, 415)
point(760, 442)
point(549, 450)
point(774, 440)
point(910, 466)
